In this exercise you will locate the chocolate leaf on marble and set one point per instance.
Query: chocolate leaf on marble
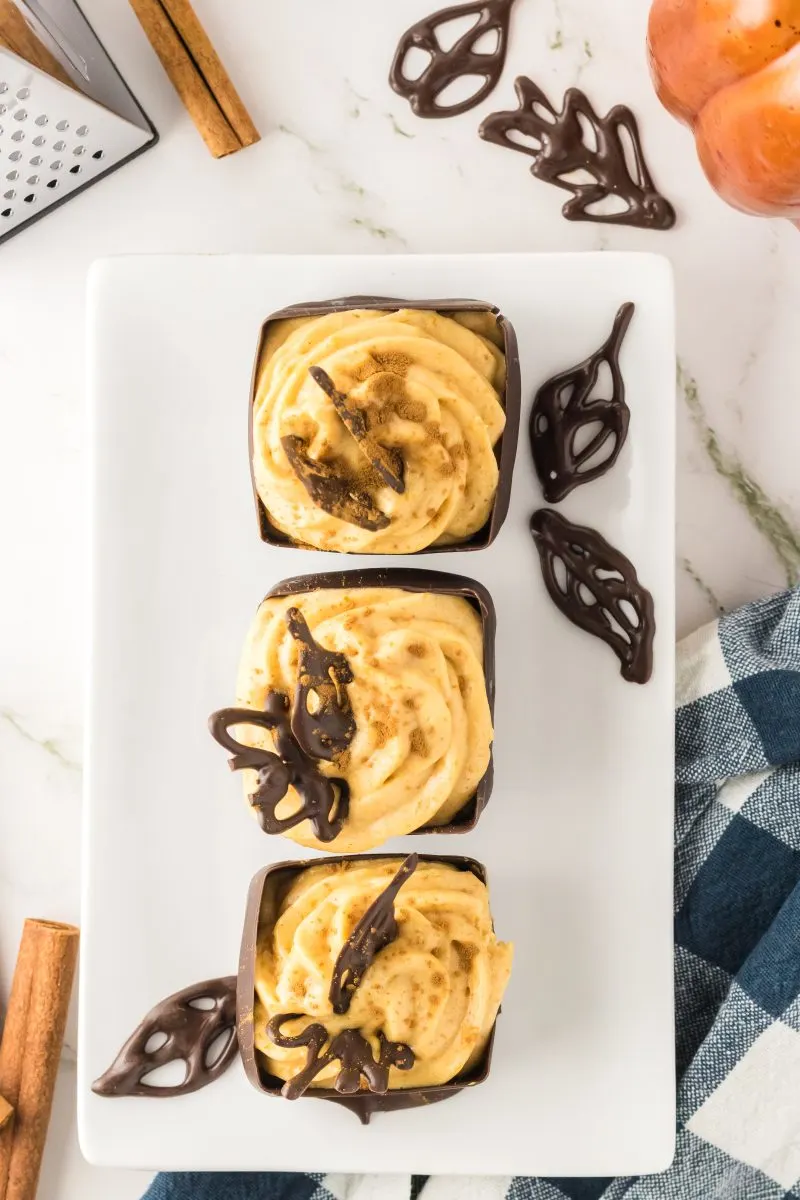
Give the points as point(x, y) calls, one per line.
point(563, 155)
point(462, 60)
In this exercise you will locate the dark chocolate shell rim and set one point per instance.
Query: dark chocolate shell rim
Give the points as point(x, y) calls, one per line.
point(505, 450)
point(563, 407)
point(591, 566)
point(461, 60)
point(419, 579)
point(557, 143)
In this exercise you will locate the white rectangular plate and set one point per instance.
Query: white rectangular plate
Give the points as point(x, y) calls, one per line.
point(578, 834)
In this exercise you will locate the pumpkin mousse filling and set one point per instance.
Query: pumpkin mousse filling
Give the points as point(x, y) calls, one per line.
point(379, 973)
point(384, 691)
point(375, 431)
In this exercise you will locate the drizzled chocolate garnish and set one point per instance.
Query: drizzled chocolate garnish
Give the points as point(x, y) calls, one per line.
point(388, 463)
point(560, 148)
point(189, 1033)
point(331, 727)
point(333, 493)
point(324, 802)
point(376, 929)
point(563, 407)
point(352, 1050)
point(462, 59)
point(597, 588)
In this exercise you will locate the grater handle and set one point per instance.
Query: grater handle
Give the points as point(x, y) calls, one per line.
point(48, 31)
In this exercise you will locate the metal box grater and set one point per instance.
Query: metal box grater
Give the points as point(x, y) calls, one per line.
point(56, 139)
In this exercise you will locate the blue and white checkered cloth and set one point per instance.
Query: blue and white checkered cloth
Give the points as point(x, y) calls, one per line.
point(737, 935)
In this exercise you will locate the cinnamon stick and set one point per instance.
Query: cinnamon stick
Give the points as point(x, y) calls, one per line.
point(197, 74)
point(31, 1049)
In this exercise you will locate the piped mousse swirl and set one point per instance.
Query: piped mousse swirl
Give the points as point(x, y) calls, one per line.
point(420, 737)
point(374, 432)
point(435, 988)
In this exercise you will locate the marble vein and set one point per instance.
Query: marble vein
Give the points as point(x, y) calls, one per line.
point(49, 745)
point(381, 233)
point(703, 587)
point(397, 128)
point(348, 187)
point(765, 515)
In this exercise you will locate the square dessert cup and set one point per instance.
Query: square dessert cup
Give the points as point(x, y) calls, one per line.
point(505, 451)
point(267, 889)
point(412, 579)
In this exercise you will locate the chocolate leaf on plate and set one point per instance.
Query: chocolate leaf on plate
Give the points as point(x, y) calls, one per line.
point(597, 588)
point(563, 407)
point(188, 1032)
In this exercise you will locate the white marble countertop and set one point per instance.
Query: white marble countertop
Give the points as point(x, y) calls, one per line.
point(344, 166)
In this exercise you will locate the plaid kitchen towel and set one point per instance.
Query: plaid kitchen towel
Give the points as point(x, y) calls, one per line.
point(737, 946)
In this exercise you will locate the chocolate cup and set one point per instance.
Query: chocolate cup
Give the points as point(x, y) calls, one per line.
point(505, 451)
point(263, 900)
point(418, 580)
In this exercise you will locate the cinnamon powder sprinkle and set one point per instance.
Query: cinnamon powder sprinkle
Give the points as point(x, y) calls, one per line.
point(418, 743)
point(392, 360)
point(417, 649)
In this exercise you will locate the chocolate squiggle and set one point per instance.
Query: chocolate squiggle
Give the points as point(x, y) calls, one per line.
point(376, 930)
point(387, 463)
point(352, 1050)
point(330, 729)
point(324, 802)
point(333, 493)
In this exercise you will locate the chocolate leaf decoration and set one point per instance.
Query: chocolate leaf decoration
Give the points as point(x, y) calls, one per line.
point(331, 728)
point(376, 929)
point(561, 148)
point(388, 463)
point(598, 591)
point(352, 1050)
point(462, 59)
point(190, 1032)
point(333, 493)
point(324, 802)
point(563, 407)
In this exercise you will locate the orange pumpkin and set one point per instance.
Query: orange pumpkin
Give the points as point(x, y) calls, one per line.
point(731, 70)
